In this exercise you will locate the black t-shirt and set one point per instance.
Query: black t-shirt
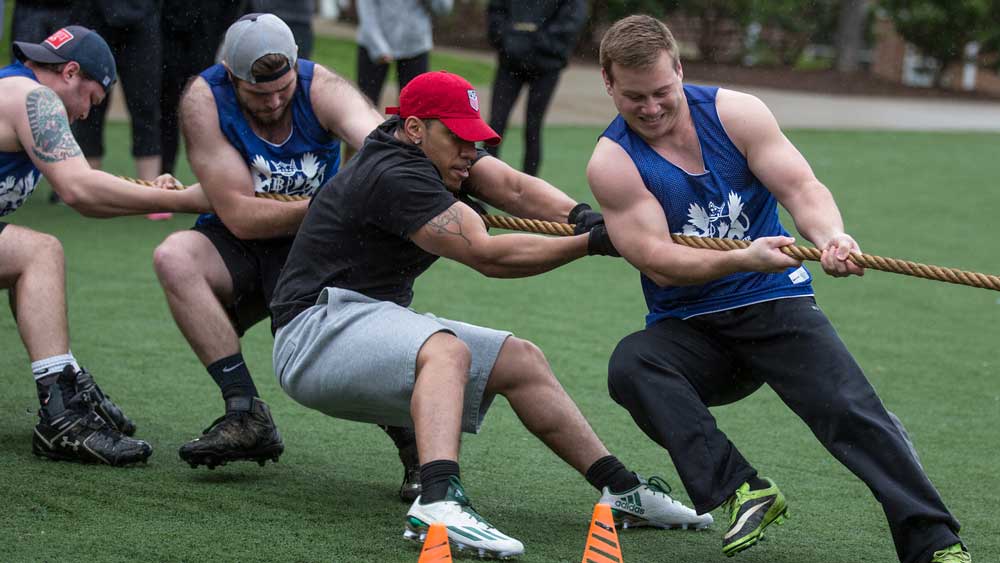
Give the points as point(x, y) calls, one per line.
point(356, 233)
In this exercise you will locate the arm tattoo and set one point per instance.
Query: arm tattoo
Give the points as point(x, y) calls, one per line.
point(449, 223)
point(54, 141)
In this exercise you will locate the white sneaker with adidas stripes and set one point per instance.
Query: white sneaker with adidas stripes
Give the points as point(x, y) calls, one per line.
point(649, 504)
point(467, 530)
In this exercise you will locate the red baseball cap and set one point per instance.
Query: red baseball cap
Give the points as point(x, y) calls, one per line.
point(448, 98)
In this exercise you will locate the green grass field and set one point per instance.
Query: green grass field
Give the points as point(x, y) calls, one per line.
point(930, 349)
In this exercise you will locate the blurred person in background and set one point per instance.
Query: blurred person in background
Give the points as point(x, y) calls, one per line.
point(534, 40)
point(296, 13)
point(394, 31)
point(132, 30)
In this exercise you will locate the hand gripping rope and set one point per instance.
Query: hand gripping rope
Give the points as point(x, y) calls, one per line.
point(905, 267)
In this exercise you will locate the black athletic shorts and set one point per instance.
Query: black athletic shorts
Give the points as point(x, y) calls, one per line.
point(2, 225)
point(254, 266)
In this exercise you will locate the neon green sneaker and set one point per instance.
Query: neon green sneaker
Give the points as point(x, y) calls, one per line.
point(953, 554)
point(749, 513)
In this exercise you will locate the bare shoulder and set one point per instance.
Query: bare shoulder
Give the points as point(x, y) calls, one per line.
point(327, 85)
point(199, 116)
point(12, 109)
point(745, 117)
point(608, 162)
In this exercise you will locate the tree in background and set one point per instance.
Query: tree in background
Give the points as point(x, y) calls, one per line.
point(940, 29)
point(852, 25)
point(715, 19)
point(790, 25)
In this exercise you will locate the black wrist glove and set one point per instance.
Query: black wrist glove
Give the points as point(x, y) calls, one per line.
point(599, 242)
point(583, 218)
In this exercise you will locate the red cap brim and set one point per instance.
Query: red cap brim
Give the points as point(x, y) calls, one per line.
point(471, 129)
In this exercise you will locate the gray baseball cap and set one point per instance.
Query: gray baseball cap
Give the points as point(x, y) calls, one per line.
point(254, 36)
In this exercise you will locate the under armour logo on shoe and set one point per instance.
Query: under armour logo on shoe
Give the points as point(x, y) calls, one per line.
point(75, 444)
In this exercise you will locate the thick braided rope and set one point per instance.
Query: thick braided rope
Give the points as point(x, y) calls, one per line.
point(905, 267)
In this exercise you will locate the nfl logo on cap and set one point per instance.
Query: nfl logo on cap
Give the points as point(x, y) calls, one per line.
point(473, 100)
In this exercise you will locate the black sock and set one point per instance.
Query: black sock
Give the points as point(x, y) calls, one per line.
point(756, 483)
point(611, 473)
point(435, 478)
point(233, 377)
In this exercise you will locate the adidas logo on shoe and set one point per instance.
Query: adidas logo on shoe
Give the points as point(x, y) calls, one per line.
point(631, 503)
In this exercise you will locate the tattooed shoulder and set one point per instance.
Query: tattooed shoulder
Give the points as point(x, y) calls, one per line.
point(449, 223)
point(50, 130)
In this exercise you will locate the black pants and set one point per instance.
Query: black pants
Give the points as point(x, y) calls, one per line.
point(670, 373)
point(34, 23)
point(371, 76)
point(138, 54)
point(506, 88)
point(190, 41)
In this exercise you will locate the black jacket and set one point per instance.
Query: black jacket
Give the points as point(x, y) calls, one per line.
point(535, 35)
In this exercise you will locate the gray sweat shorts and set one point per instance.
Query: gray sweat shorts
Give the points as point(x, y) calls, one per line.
point(353, 357)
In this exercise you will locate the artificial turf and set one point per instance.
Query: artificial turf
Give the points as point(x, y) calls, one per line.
point(928, 347)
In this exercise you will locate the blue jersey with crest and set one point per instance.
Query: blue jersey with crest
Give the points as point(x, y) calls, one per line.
point(726, 201)
point(297, 166)
point(18, 175)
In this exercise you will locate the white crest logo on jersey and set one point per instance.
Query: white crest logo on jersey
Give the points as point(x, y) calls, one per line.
point(13, 191)
point(725, 220)
point(301, 176)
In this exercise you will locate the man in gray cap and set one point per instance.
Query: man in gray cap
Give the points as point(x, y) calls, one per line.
point(264, 121)
point(53, 83)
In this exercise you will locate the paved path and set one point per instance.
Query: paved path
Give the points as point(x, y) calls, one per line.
point(581, 100)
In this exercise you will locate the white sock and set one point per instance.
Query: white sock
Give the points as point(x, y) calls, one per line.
point(53, 365)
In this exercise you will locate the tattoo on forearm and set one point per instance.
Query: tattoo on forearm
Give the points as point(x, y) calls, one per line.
point(54, 141)
point(449, 223)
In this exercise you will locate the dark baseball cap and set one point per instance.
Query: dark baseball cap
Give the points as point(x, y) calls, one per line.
point(73, 43)
point(450, 99)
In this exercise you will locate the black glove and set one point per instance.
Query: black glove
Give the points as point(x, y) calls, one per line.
point(599, 242)
point(583, 218)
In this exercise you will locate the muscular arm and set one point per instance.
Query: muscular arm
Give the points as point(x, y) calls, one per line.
point(341, 108)
point(640, 232)
point(458, 233)
point(776, 162)
point(43, 131)
point(224, 174)
point(495, 182)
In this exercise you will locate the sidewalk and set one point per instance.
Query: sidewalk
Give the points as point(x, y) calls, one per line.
point(581, 99)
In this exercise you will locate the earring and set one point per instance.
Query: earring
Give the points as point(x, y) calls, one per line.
point(417, 141)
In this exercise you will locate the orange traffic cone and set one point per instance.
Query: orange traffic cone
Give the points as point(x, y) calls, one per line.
point(602, 539)
point(436, 548)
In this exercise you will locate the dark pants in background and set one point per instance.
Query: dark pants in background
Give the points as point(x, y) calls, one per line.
point(192, 33)
point(669, 374)
point(371, 76)
point(138, 55)
point(506, 88)
point(35, 21)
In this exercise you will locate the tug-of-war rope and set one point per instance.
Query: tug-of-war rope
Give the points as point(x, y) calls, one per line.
point(896, 266)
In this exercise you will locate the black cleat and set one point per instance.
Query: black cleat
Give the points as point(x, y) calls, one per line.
point(70, 430)
point(245, 433)
point(410, 489)
point(102, 404)
point(405, 440)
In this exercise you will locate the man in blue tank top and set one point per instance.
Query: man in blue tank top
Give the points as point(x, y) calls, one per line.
point(52, 84)
point(265, 121)
point(712, 162)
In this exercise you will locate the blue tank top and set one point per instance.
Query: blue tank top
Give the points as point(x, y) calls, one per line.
point(18, 175)
point(726, 201)
point(297, 166)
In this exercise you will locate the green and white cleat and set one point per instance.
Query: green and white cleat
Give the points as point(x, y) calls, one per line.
point(649, 504)
point(467, 531)
point(750, 512)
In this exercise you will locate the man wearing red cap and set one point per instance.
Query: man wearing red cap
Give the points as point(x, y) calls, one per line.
point(52, 84)
point(348, 284)
point(266, 121)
